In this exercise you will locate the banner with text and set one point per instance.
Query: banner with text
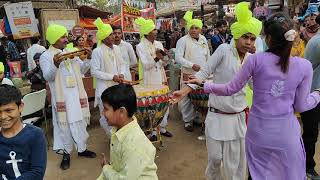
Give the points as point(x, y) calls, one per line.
point(21, 20)
point(130, 14)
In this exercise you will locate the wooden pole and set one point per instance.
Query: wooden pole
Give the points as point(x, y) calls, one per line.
point(202, 13)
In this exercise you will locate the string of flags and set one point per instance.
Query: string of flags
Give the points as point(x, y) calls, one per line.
point(141, 4)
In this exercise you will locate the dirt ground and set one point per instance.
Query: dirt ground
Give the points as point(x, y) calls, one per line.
point(183, 157)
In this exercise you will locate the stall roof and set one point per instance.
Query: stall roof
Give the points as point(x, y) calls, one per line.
point(165, 12)
point(89, 12)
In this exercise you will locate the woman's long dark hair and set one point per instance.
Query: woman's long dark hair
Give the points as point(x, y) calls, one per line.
point(275, 28)
point(76, 40)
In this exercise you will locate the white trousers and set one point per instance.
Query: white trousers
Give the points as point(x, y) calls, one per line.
point(164, 122)
point(187, 109)
point(229, 154)
point(65, 138)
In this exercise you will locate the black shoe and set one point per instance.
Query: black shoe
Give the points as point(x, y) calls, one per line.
point(188, 127)
point(153, 138)
point(312, 174)
point(87, 154)
point(65, 163)
point(166, 134)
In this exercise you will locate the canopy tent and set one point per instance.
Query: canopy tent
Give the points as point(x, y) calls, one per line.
point(87, 23)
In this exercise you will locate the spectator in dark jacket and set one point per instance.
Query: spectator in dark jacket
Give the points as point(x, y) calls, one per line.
point(222, 36)
point(35, 76)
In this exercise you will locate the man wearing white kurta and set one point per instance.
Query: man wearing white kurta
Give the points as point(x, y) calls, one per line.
point(225, 125)
point(70, 107)
point(151, 55)
point(34, 49)
point(192, 53)
point(127, 52)
point(107, 66)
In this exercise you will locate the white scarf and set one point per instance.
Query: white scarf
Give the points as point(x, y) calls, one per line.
point(60, 99)
point(151, 52)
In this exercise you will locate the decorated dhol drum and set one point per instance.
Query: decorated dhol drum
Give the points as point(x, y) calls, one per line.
point(152, 102)
point(199, 99)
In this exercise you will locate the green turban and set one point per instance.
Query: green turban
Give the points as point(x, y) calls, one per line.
point(145, 26)
point(1, 67)
point(192, 22)
point(245, 22)
point(55, 32)
point(71, 48)
point(104, 30)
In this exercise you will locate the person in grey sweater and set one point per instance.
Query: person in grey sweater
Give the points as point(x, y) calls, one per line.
point(311, 118)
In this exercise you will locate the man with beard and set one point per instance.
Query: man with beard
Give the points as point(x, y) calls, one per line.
point(152, 56)
point(311, 27)
point(107, 66)
point(127, 52)
point(222, 36)
point(192, 53)
point(310, 119)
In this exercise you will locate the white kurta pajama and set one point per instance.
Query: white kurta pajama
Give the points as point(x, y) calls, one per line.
point(153, 72)
point(225, 132)
point(64, 138)
point(190, 51)
point(129, 57)
point(106, 63)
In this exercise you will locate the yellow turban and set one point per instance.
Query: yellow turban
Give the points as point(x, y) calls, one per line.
point(145, 25)
point(1, 67)
point(104, 30)
point(55, 32)
point(245, 22)
point(192, 22)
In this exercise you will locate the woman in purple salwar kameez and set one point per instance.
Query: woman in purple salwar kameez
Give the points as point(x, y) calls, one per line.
point(281, 86)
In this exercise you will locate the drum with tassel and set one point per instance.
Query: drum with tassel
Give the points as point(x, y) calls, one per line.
point(152, 104)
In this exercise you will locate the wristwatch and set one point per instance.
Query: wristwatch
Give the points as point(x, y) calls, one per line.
point(318, 90)
point(202, 84)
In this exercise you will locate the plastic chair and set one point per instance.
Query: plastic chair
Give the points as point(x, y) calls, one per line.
point(35, 102)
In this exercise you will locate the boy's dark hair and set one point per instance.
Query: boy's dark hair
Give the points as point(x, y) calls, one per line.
point(9, 94)
point(221, 23)
point(122, 95)
point(275, 27)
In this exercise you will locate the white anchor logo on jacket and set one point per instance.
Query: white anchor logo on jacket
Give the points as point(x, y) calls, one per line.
point(14, 163)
